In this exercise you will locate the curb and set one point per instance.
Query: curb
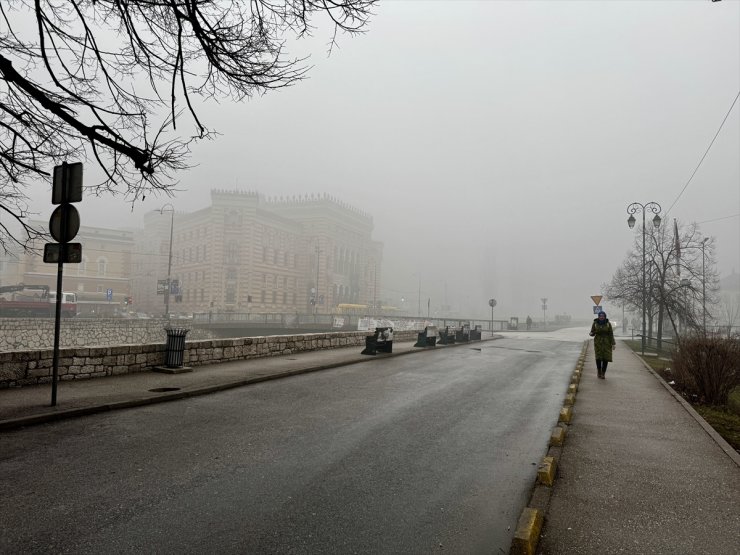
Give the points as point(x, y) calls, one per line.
point(43, 418)
point(529, 526)
point(719, 440)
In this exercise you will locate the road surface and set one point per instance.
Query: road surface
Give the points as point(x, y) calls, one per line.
point(435, 451)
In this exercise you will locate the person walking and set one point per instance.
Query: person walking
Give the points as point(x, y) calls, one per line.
point(604, 344)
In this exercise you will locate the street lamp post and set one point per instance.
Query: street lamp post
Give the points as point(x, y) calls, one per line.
point(316, 295)
point(703, 287)
point(544, 313)
point(419, 298)
point(169, 260)
point(633, 209)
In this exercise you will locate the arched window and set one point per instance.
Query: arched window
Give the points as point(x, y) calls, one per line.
point(102, 266)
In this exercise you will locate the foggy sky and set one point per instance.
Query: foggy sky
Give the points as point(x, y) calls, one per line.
point(496, 144)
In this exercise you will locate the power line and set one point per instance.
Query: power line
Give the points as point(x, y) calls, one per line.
point(705, 153)
point(718, 219)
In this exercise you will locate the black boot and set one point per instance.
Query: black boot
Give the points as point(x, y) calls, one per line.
point(598, 368)
point(603, 370)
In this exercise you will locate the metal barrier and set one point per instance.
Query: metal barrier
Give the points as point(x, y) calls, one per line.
point(446, 337)
point(463, 334)
point(381, 340)
point(427, 338)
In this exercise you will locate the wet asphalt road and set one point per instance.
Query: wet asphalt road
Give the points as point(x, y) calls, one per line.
point(434, 452)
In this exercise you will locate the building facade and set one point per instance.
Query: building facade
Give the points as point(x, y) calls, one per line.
point(102, 281)
point(248, 253)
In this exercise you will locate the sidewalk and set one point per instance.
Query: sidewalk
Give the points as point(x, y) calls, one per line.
point(31, 405)
point(639, 473)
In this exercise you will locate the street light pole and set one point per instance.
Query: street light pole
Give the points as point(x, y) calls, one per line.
point(633, 209)
point(316, 296)
point(169, 261)
point(704, 286)
point(419, 307)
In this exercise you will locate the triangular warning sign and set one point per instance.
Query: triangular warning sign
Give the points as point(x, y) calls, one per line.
point(596, 298)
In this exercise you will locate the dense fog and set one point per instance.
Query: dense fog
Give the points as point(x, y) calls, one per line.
point(496, 144)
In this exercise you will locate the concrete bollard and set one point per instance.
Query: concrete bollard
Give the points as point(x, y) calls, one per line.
point(527, 532)
point(546, 471)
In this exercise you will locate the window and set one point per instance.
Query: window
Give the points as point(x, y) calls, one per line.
point(102, 266)
point(262, 296)
point(82, 266)
point(285, 298)
point(232, 253)
point(230, 295)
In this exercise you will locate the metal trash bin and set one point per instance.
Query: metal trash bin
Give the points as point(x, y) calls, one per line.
point(175, 347)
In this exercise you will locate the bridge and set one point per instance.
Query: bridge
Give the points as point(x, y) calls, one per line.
point(244, 324)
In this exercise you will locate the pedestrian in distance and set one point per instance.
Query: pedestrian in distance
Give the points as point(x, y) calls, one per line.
point(604, 344)
point(529, 323)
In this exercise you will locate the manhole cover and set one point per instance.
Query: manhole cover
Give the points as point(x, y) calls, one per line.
point(164, 389)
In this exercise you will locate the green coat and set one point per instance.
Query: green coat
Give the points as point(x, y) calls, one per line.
point(603, 335)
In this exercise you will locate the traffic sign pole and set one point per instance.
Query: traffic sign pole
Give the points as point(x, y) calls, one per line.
point(64, 225)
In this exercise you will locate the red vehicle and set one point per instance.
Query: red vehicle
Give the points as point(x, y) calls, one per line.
point(34, 301)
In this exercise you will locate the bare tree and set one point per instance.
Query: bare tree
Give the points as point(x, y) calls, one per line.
point(677, 278)
point(111, 79)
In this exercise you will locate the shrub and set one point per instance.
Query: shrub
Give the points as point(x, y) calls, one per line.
point(709, 367)
point(733, 401)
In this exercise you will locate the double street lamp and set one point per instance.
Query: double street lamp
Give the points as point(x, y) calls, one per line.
point(633, 209)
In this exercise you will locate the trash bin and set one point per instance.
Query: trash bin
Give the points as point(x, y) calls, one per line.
point(175, 347)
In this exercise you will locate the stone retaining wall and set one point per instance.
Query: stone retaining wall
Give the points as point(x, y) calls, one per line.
point(19, 368)
point(20, 334)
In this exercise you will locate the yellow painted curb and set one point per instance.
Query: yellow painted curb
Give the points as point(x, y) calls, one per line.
point(570, 400)
point(573, 388)
point(566, 413)
point(575, 378)
point(527, 532)
point(546, 471)
point(558, 436)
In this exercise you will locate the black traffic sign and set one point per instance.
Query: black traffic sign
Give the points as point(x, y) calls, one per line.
point(67, 183)
point(64, 223)
point(70, 253)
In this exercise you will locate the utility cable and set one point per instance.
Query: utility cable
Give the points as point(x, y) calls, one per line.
point(705, 153)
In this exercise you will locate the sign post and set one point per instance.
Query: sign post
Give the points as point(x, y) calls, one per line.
point(492, 303)
point(63, 225)
point(544, 311)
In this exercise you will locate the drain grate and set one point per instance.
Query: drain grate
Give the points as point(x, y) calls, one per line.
point(164, 389)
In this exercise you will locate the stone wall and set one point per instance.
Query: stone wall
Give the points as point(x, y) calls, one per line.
point(19, 368)
point(20, 334)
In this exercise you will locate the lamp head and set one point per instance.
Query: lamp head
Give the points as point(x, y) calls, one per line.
point(656, 221)
point(631, 221)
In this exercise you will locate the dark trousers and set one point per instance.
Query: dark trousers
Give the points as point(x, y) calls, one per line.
point(601, 365)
